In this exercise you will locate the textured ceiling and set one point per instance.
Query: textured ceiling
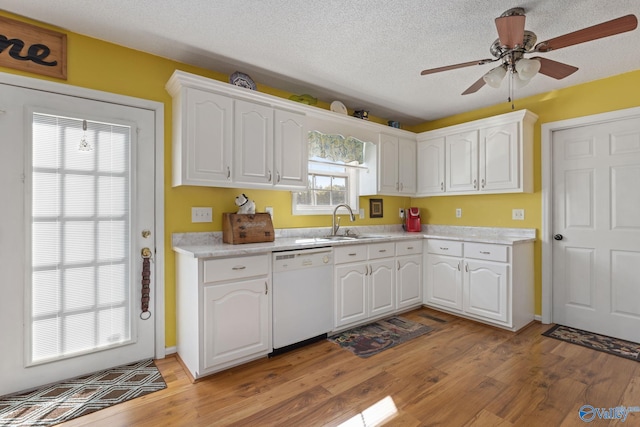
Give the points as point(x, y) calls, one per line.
point(367, 54)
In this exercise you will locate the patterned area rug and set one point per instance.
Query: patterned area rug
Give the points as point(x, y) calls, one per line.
point(367, 340)
point(79, 396)
point(615, 346)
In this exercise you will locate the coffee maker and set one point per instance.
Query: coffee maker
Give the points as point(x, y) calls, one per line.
point(412, 220)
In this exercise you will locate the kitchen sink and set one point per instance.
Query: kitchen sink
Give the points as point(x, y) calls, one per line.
point(340, 238)
point(354, 237)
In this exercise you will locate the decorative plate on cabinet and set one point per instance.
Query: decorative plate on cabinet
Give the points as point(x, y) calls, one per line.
point(242, 80)
point(338, 107)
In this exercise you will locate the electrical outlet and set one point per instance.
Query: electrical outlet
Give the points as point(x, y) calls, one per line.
point(517, 214)
point(201, 214)
point(458, 213)
point(269, 210)
point(361, 213)
point(401, 213)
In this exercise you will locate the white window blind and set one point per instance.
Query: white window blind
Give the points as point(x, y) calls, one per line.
point(80, 224)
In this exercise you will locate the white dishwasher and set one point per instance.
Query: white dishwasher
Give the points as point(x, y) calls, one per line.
point(302, 297)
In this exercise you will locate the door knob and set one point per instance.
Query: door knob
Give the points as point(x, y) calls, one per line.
point(558, 236)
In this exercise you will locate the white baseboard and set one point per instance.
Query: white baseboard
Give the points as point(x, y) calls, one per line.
point(170, 350)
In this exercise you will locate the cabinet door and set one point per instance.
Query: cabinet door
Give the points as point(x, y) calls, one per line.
point(382, 287)
point(462, 162)
point(431, 166)
point(351, 293)
point(388, 165)
point(407, 166)
point(408, 280)
point(443, 282)
point(236, 321)
point(499, 158)
point(291, 146)
point(203, 155)
point(486, 289)
point(253, 149)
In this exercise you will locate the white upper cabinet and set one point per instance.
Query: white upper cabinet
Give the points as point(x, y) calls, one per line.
point(499, 158)
point(388, 161)
point(253, 144)
point(290, 156)
point(431, 171)
point(396, 168)
point(493, 155)
point(225, 136)
point(406, 166)
point(203, 126)
point(461, 166)
point(270, 147)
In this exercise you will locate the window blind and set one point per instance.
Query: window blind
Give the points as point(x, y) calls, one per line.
point(80, 231)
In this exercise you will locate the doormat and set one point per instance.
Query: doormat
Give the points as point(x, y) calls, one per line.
point(365, 341)
point(615, 346)
point(79, 396)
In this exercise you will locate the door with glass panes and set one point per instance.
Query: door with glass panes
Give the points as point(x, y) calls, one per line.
point(78, 191)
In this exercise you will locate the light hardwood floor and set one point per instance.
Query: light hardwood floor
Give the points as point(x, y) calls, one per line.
point(461, 374)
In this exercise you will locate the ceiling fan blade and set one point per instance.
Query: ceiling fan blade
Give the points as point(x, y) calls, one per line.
point(453, 67)
point(555, 69)
point(510, 30)
point(475, 87)
point(606, 29)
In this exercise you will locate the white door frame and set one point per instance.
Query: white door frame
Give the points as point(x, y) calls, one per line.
point(547, 194)
point(158, 109)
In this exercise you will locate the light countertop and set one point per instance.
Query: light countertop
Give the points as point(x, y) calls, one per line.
point(210, 245)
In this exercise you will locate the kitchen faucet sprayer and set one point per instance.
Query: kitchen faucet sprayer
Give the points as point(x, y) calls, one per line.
point(335, 224)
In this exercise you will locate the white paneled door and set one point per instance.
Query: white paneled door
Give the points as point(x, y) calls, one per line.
point(596, 228)
point(78, 198)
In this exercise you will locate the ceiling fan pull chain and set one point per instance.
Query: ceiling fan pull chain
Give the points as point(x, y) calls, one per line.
point(511, 72)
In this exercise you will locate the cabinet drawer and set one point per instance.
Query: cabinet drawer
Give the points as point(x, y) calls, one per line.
point(444, 247)
point(223, 269)
point(409, 248)
point(498, 253)
point(381, 250)
point(344, 254)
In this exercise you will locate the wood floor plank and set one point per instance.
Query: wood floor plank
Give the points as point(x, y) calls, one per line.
point(462, 373)
point(486, 418)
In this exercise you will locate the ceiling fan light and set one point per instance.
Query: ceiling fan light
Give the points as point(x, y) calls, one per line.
point(518, 83)
point(527, 68)
point(495, 76)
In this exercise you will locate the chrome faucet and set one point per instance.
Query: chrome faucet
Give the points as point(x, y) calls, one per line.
point(335, 224)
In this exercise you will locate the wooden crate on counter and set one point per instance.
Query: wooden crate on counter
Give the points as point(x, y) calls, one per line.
point(247, 228)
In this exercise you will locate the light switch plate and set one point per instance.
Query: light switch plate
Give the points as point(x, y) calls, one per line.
point(458, 213)
point(201, 214)
point(269, 210)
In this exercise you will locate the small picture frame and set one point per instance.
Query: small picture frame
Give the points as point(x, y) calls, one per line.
point(375, 208)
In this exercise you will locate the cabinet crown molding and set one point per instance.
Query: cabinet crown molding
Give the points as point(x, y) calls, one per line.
point(525, 116)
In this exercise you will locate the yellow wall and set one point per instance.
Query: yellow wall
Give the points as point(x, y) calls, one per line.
point(614, 93)
point(103, 66)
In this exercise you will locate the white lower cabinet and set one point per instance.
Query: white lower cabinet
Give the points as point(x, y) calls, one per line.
point(236, 322)
point(351, 283)
point(376, 280)
point(487, 282)
point(223, 311)
point(364, 282)
point(486, 290)
point(409, 274)
point(382, 287)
